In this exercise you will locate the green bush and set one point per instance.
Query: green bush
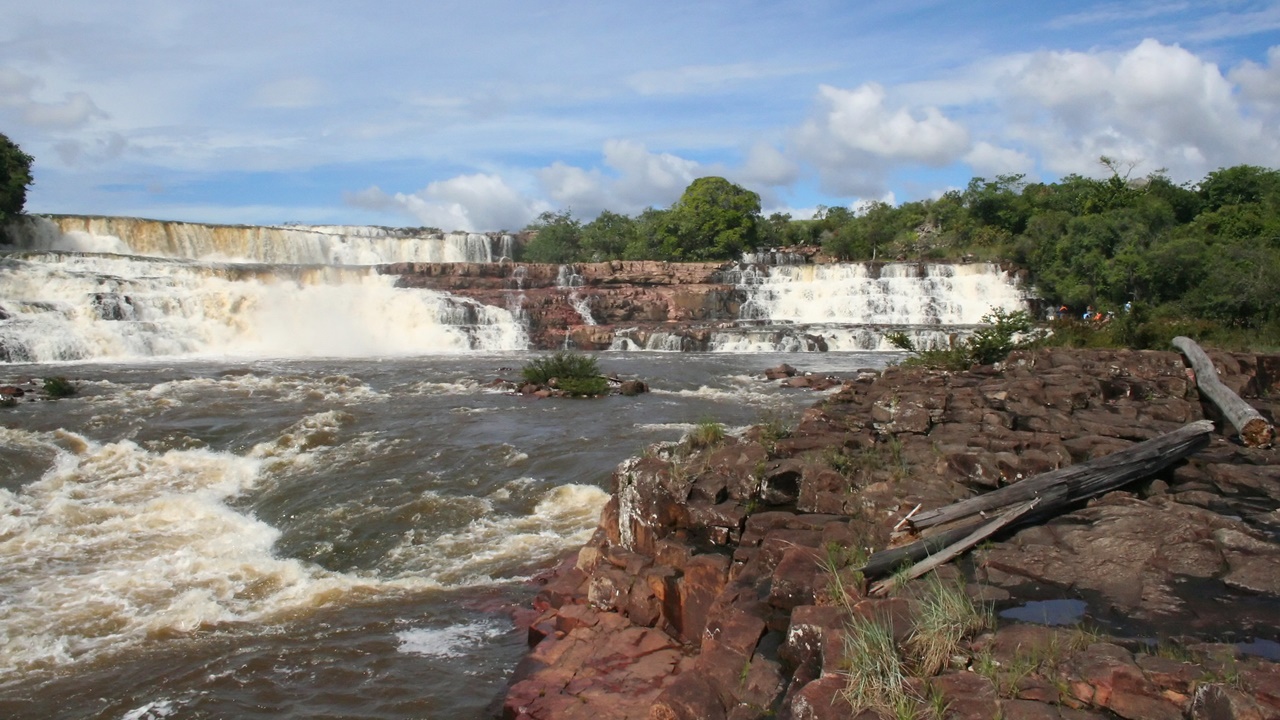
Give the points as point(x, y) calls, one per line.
point(1004, 333)
point(59, 387)
point(591, 386)
point(563, 365)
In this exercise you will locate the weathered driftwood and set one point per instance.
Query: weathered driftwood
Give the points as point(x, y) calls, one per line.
point(1083, 480)
point(889, 560)
point(955, 550)
point(1254, 429)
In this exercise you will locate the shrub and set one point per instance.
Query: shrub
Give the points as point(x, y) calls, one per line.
point(1004, 333)
point(590, 386)
point(563, 365)
point(59, 387)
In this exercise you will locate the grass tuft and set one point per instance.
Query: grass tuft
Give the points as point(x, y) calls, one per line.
point(947, 616)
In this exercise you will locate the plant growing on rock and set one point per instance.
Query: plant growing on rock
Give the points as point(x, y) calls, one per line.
point(947, 615)
point(59, 387)
point(706, 434)
point(877, 674)
point(1004, 332)
point(573, 373)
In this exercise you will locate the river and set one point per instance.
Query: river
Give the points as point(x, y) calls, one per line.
point(233, 538)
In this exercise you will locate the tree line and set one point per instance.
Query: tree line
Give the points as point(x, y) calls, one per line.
point(1150, 248)
point(1196, 252)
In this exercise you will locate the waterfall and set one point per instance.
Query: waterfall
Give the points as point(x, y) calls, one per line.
point(567, 277)
point(65, 306)
point(283, 244)
point(850, 306)
point(891, 294)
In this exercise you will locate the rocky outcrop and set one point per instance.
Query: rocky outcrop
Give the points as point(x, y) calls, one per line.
point(720, 582)
point(592, 303)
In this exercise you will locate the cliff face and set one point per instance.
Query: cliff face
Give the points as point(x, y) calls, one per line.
point(719, 583)
point(591, 304)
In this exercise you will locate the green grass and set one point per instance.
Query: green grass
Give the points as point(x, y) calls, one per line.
point(947, 616)
point(877, 677)
point(707, 433)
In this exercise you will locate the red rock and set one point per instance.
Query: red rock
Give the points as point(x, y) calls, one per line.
point(689, 697)
point(704, 577)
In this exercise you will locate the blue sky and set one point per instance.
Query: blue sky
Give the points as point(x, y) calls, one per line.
point(479, 115)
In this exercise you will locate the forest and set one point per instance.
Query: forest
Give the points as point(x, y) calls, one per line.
point(1199, 259)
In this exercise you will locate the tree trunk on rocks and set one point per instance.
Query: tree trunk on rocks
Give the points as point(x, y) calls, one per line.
point(1084, 480)
point(1057, 491)
point(1254, 429)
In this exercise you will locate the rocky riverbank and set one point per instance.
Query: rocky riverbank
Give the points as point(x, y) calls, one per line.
point(720, 581)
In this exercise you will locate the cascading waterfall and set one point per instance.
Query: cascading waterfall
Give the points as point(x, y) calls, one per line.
point(850, 306)
point(568, 277)
point(64, 306)
point(285, 244)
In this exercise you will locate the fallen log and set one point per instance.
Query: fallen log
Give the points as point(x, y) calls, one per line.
point(1083, 480)
point(1254, 430)
point(954, 550)
point(889, 560)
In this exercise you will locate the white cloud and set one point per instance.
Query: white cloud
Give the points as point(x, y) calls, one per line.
point(767, 165)
point(1260, 84)
point(855, 137)
point(476, 202)
point(860, 120)
point(18, 92)
point(989, 160)
point(639, 179)
point(1158, 105)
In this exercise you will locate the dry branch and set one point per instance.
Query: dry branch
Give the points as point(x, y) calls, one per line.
point(1083, 480)
point(955, 549)
point(1254, 429)
point(1055, 491)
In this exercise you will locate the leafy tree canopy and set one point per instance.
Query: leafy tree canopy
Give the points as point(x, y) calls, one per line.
point(15, 177)
point(557, 237)
point(713, 220)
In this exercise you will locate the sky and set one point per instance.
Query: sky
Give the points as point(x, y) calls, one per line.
point(480, 115)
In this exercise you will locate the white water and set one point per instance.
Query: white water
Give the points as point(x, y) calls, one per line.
point(892, 294)
point(77, 307)
point(285, 244)
point(117, 546)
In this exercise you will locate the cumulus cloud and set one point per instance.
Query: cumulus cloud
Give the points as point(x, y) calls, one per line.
point(1156, 104)
point(476, 202)
point(861, 121)
point(767, 165)
point(636, 179)
point(1259, 84)
point(990, 160)
point(854, 137)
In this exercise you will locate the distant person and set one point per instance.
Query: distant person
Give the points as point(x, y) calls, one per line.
point(1088, 314)
point(1128, 307)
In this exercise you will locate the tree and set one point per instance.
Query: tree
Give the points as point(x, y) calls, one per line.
point(15, 177)
point(556, 238)
point(713, 220)
point(607, 237)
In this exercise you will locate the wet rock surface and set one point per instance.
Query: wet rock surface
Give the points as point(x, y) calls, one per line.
point(720, 582)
